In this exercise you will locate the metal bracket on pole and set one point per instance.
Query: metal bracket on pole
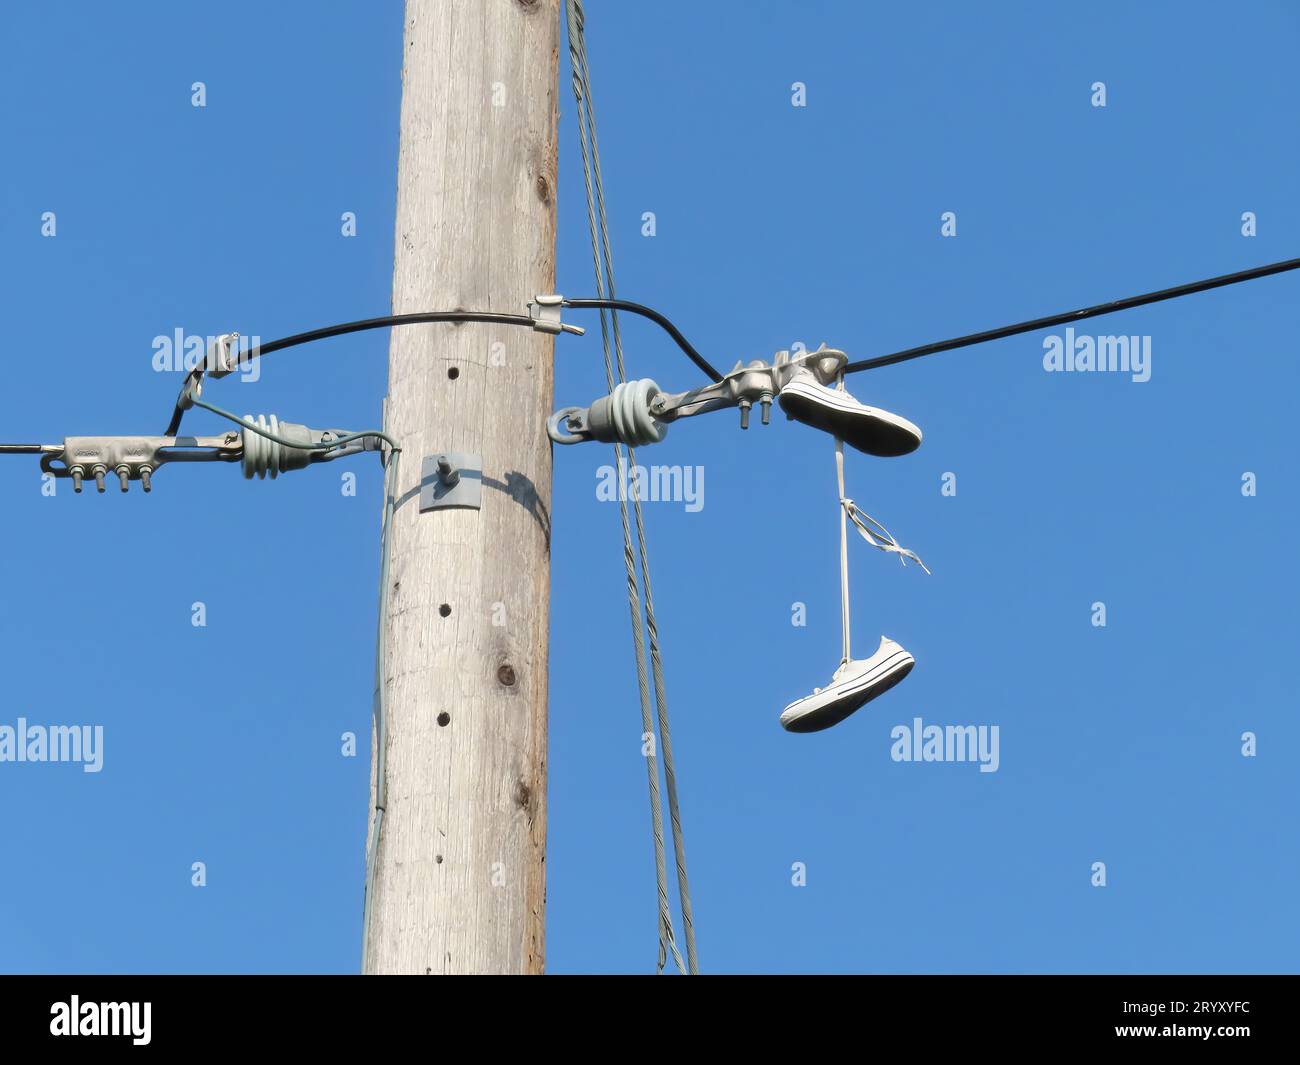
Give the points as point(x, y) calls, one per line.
point(546, 312)
point(451, 479)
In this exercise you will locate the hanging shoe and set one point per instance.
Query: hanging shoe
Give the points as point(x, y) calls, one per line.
point(877, 432)
point(854, 684)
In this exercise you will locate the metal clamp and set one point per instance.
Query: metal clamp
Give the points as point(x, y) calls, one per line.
point(545, 312)
point(134, 458)
point(745, 385)
point(637, 412)
point(137, 458)
point(451, 479)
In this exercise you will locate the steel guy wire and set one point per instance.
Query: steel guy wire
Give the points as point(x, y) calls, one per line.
point(602, 261)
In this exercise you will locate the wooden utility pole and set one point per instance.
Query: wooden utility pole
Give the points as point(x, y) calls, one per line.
point(460, 881)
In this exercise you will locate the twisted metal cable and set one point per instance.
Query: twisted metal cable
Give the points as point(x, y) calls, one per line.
point(603, 263)
point(670, 773)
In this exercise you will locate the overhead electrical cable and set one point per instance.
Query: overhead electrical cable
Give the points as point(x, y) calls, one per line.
point(283, 441)
point(659, 320)
point(325, 332)
point(428, 317)
point(1074, 316)
point(604, 303)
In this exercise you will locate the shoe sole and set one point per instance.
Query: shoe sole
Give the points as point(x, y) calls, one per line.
point(882, 434)
point(841, 704)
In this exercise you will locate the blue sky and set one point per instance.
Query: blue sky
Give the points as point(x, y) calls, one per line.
point(775, 225)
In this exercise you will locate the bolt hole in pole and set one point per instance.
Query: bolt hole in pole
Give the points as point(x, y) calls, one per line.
point(445, 610)
point(506, 676)
point(453, 372)
point(444, 719)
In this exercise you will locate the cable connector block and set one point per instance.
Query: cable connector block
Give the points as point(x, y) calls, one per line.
point(133, 458)
point(545, 312)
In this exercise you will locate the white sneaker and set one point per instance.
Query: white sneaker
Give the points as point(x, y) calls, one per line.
point(877, 432)
point(854, 684)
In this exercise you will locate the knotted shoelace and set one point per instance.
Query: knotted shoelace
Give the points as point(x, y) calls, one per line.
point(877, 535)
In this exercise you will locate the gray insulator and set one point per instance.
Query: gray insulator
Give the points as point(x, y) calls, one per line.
point(624, 415)
point(263, 456)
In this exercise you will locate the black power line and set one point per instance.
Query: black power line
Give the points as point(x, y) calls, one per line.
point(1073, 316)
point(664, 323)
point(659, 320)
point(325, 332)
point(419, 318)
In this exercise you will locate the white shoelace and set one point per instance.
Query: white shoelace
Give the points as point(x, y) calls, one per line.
point(872, 531)
point(877, 535)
